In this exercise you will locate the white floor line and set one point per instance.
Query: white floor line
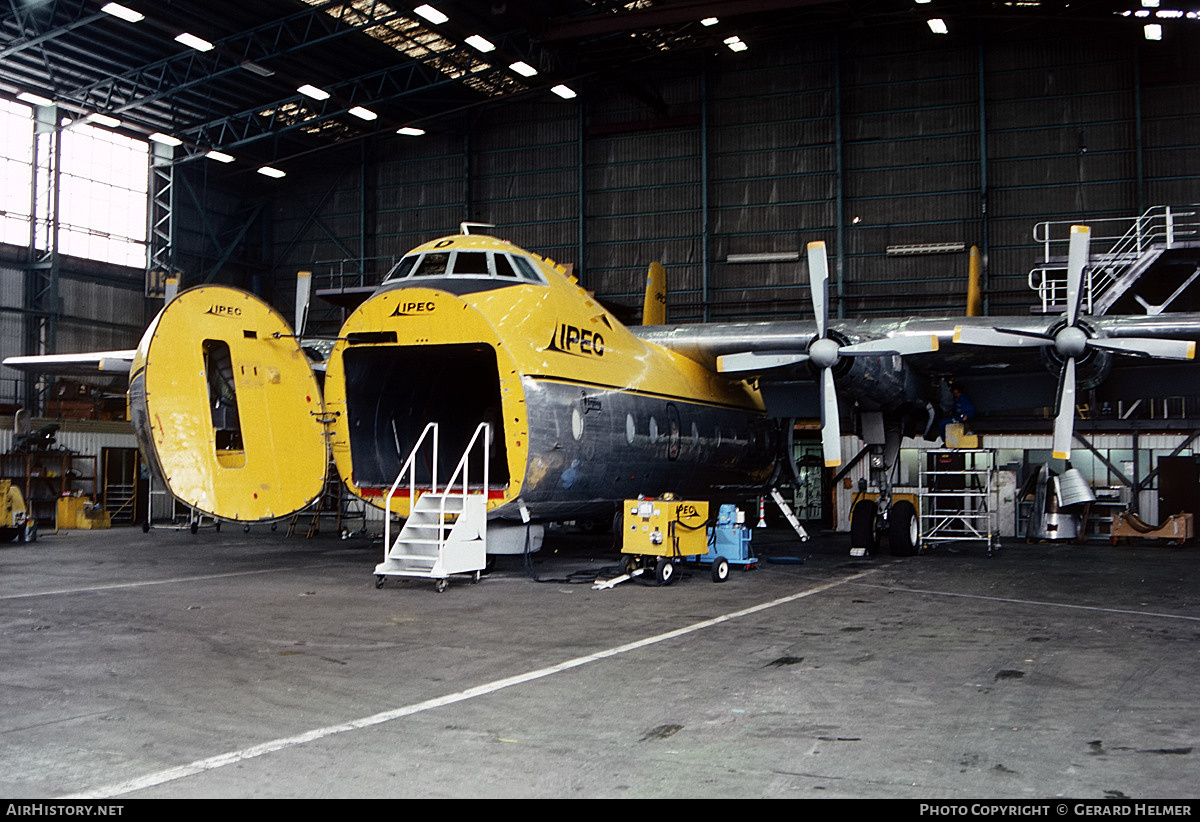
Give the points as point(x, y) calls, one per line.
point(87, 588)
point(233, 757)
point(1040, 603)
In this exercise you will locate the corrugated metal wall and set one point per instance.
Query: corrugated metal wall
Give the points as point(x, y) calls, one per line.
point(868, 142)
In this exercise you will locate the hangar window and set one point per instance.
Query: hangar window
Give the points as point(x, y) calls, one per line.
point(16, 171)
point(103, 196)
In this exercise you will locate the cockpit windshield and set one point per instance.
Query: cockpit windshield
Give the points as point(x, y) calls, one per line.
point(475, 264)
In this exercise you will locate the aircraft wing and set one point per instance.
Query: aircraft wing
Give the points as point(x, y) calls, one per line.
point(91, 364)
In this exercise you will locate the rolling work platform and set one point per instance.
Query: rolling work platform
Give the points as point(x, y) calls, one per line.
point(958, 498)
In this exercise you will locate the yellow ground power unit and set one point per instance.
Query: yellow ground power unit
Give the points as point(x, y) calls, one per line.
point(666, 528)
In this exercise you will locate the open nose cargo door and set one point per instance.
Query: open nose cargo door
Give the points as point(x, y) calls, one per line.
point(226, 407)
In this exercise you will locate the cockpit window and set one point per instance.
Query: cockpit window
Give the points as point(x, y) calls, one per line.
point(465, 264)
point(526, 269)
point(468, 263)
point(504, 267)
point(402, 268)
point(432, 264)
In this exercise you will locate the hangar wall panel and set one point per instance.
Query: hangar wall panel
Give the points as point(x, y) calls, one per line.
point(869, 142)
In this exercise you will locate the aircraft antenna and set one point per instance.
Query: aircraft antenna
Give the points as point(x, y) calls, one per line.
point(465, 228)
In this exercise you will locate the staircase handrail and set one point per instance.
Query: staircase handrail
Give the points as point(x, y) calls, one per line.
point(1157, 226)
point(463, 467)
point(412, 483)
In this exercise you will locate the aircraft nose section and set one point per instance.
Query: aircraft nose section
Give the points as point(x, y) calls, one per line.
point(414, 356)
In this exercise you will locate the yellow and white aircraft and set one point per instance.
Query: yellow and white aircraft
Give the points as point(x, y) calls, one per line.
point(232, 416)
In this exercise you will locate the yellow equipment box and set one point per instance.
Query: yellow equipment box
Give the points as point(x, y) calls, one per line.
point(81, 514)
point(665, 527)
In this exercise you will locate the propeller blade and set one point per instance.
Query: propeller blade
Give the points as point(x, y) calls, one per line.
point(1000, 337)
point(1064, 420)
point(818, 283)
point(831, 424)
point(1077, 256)
point(303, 293)
point(911, 344)
point(1148, 347)
point(754, 361)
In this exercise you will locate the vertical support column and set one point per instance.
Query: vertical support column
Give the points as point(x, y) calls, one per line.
point(580, 194)
point(840, 175)
point(160, 256)
point(984, 220)
point(42, 269)
point(705, 261)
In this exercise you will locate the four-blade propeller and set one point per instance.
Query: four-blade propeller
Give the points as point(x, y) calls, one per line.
point(824, 351)
point(1071, 340)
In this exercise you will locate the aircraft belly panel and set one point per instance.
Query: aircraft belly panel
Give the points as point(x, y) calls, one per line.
point(226, 408)
point(596, 446)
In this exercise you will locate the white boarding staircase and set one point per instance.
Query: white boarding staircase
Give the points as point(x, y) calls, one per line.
point(446, 530)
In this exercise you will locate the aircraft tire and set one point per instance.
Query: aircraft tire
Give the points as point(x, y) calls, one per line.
point(903, 529)
point(862, 525)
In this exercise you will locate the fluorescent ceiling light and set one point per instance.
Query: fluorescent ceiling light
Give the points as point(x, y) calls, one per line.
point(34, 99)
point(363, 113)
point(267, 171)
point(257, 68)
point(410, 131)
point(219, 156)
point(165, 139)
point(126, 14)
point(312, 91)
point(565, 92)
point(481, 43)
point(522, 68)
point(938, 26)
point(1153, 31)
point(103, 120)
point(192, 41)
point(431, 14)
point(709, 21)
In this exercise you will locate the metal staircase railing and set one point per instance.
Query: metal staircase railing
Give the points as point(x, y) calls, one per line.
point(1144, 237)
point(449, 512)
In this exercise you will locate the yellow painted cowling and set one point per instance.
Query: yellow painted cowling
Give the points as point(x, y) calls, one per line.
point(226, 407)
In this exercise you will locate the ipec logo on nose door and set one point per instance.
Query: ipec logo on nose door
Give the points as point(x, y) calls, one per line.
point(414, 308)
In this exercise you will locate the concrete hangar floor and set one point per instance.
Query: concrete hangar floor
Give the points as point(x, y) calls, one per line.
point(231, 664)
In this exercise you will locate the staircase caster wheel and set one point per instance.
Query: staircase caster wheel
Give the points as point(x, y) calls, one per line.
point(664, 571)
point(379, 579)
point(720, 569)
point(441, 585)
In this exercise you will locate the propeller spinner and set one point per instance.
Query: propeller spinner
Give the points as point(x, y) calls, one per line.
point(1071, 342)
